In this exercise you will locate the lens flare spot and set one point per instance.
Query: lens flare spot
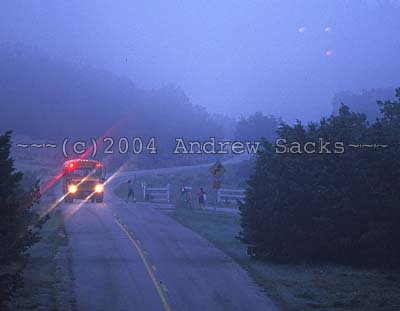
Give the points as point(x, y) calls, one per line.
point(301, 29)
point(329, 53)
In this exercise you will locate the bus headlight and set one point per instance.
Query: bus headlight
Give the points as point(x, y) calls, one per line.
point(72, 188)
point(99, 188)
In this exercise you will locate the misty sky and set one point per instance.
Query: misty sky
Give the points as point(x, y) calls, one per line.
point(282, 57)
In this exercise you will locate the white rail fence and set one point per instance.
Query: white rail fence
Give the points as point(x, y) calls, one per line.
point(156, 194)
point(230, 195)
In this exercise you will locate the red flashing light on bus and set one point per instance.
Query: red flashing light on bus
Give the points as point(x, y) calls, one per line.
point(71, 166)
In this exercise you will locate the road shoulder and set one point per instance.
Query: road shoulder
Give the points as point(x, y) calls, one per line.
point(47, 276)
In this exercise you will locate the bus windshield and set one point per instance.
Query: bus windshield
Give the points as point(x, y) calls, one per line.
point(83, 172)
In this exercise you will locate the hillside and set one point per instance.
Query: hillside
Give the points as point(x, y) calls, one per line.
point(50, 99)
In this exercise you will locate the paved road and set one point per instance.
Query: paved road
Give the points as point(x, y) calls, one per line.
point(137, 258)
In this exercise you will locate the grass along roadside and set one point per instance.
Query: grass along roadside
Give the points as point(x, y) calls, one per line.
point(47, 277)
point(299, 287)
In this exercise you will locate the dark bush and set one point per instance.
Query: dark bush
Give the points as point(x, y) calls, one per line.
point(341, 207)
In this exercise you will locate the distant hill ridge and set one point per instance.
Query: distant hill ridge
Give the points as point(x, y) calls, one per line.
point(42, 97)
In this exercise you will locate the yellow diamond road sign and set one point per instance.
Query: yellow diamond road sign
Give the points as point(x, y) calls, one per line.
point(217, 169)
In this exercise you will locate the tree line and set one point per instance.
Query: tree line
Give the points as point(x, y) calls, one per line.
point(50, 100)
point(329, 208)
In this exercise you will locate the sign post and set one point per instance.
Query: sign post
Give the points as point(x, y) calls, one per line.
point(217, 170)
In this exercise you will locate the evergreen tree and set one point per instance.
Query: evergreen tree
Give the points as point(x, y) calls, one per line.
point(16, 218)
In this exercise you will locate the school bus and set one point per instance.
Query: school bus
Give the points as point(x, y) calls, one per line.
point(83, 179)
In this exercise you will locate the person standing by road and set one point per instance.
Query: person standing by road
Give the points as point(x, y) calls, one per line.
point(202, 196)
point(186, 192)
point(131, 191)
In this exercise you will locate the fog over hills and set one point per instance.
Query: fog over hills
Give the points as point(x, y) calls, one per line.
point(48, 99)
point(43, 97)
point(281, 57)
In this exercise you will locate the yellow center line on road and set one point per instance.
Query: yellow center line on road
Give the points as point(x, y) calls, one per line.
point(147, 266)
